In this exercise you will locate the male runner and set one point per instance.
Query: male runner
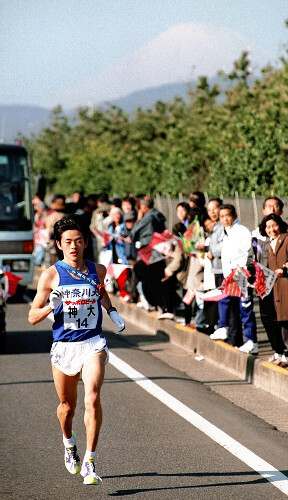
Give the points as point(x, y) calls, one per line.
point(76, 293)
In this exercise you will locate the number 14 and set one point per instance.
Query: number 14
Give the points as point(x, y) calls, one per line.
point(83, 324)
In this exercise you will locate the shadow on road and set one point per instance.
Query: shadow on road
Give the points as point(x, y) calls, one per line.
point(248, 478)
point(26, 342)
point(31, 342)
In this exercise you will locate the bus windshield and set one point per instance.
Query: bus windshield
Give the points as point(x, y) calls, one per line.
point(15, 195)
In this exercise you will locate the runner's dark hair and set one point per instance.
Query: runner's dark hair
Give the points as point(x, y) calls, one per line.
point(70, 223)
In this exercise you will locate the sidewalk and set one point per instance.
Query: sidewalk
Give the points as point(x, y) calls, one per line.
point(253, 369)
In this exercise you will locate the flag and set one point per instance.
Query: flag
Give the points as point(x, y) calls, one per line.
point(104, 237)
point(230, 286)
point(265, 279)
point(188, 297)
point(158, 248)
point(191, 237)
point(120, 273)
point(236, 283)
point(213, 295)
point(149, 255)
point(162, 242)
point(240, 277)
point(115, 270)
point(11, 283)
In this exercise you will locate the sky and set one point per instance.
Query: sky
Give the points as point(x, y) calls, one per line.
point(80, 52)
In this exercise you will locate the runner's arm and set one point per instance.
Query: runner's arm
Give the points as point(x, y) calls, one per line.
point(101, 271)
point(106, 302)
point(40, 309)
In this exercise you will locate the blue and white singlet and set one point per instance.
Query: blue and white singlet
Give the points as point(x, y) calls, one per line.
point(79, 316)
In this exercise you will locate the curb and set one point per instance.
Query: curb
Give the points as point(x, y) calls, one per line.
point(249, 368)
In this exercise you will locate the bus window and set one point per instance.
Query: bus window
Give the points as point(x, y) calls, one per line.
point(15, 200)
point(16, 216)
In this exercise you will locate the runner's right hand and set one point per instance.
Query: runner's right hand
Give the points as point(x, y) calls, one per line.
point(55, 298)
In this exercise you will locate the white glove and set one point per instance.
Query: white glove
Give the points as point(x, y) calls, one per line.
point(55, 298)
point(120, 322)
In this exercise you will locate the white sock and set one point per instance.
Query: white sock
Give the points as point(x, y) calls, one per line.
point(89, 454)
point(69, 443)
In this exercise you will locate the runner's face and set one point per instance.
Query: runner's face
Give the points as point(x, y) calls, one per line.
point(72, 245)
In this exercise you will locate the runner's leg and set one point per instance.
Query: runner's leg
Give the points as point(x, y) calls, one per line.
point(66, 388)
point(93, 373)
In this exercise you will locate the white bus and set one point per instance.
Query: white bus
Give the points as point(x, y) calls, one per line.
point(16, 213)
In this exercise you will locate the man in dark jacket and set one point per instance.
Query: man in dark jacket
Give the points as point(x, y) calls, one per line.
point(150, 220)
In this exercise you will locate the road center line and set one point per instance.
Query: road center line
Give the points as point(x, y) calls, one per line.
point(256, 463)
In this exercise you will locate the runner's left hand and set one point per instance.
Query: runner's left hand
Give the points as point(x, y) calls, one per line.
point(119, 322)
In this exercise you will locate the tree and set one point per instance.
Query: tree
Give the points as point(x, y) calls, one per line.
point(236, 143)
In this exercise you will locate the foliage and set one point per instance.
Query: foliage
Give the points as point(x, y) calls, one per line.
point(224, 138)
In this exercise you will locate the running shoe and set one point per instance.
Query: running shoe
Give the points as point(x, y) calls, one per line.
point(88, 471)
point(72, 460)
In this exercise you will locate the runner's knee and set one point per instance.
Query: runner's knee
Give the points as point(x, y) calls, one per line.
point(92, 401)
point(67, 409)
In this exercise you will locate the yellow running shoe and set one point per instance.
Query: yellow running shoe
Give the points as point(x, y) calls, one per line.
point(88, 471)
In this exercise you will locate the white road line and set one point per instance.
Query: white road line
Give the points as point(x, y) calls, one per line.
point(274, 476)
point(256, 463)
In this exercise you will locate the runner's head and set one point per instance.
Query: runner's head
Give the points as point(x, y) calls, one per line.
point(70, 223)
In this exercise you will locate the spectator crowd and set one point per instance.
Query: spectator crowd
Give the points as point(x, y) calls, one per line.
point(180, 285)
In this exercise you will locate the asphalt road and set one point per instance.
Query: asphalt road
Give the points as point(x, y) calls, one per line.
point(146, 450)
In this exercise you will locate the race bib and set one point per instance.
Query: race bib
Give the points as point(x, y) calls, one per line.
point(80, 308)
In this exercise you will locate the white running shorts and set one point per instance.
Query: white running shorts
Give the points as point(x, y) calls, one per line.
point(70, 357)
